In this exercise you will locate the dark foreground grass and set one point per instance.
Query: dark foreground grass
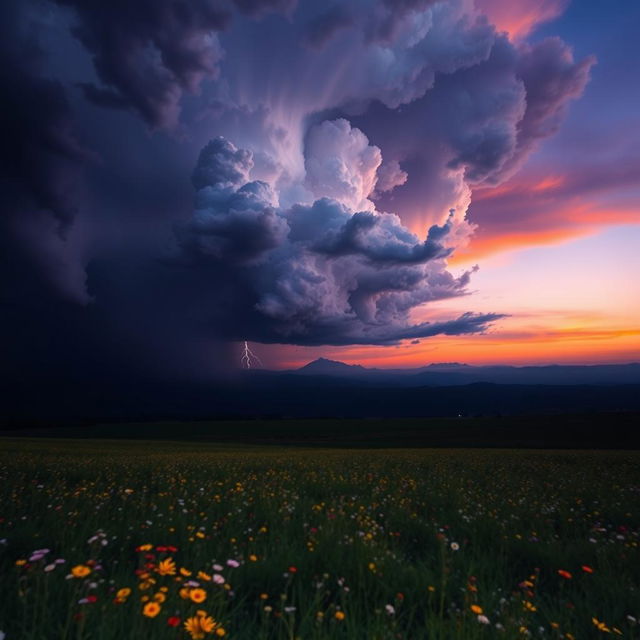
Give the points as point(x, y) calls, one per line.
point(270, 543)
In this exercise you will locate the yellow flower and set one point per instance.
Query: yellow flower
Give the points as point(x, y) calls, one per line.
point(339, 615)
point(80, 571)
point(253, 557)
point(185, 572)
point(199, 625)
point(198, 595)
point(204, 576)
point(159, 597)
point(431, 588)
point(184, 593)
point(20, 563)
point(166, 567)
point(476, 609)
point(220, 632)
point(145, 547)
point(151, 609)
point(264, 596)
point(123, 593)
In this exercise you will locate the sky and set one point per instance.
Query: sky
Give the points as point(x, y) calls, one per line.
point(390, 183)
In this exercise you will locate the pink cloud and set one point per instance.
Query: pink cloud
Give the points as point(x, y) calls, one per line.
point(519, 18)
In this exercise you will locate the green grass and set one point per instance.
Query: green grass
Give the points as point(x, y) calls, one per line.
point(402, 542)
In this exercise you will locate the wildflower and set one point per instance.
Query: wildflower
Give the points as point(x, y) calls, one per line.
point(20, 563)
point(289, 609)
point(483, 619)
point(264, 596)
point(50, 567)
point(292, 569)
point(151, 609)
point(125, 592)
point(586, 568)
point(601, 626)
point(173, 621)
point(564, 574)
point(455, 546)
point(166, 567)
point(476, 609)
point(199, 625)
point(431, 588)
point(218, 567)
point(185, 572)
point(253, 557)
point(339, 615)
point(80, 571)
point(220, 632)
point(233, 563)
point(198, 595)
point(159, 597)
point(218, 579)
point(204, 576)
point(389, 609)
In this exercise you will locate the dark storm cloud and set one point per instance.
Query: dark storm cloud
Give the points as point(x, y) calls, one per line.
point(323, 27)
point(40, 153)
point(319, 273)
point(147, 53)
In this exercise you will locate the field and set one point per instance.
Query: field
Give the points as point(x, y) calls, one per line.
point(120, 540)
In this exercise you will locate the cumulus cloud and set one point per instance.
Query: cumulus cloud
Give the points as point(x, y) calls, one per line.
point(319, 273)
point(341, 164)
point(347, 133)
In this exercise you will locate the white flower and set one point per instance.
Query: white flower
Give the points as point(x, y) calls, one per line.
point(389, 609)
point(483, 619)
point(218, 579)
point(218, 567)
point(289, 609)
point(455, 546)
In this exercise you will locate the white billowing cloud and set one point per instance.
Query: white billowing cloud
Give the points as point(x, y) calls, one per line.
point(341, 164)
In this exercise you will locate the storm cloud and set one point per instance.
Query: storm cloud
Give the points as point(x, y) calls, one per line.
point(331, 150)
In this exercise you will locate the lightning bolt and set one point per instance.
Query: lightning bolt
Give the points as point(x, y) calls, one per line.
point(248, 357)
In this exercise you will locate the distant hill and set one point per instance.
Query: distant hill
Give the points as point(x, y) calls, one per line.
point(322, 366)
point(455, 373)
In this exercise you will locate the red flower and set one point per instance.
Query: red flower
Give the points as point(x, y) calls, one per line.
point(292, 569)
point(173, 621)
point(587, 569)
point(564, 574)
point(92, 598)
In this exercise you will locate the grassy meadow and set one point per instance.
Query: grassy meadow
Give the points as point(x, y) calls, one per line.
point(112, 540)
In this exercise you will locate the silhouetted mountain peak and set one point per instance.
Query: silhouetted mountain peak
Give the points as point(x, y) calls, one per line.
point(330, 367)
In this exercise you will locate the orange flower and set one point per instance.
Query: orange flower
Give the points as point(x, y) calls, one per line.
point(80, 571)
point(199, 625)
point(476, 609)
point(564, 574)
point(151, 609)
point(166, 567)
point(198, 595)
point(339, 615)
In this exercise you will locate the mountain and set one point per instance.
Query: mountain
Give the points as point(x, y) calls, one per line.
point(455, 373)
point(325, 367)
